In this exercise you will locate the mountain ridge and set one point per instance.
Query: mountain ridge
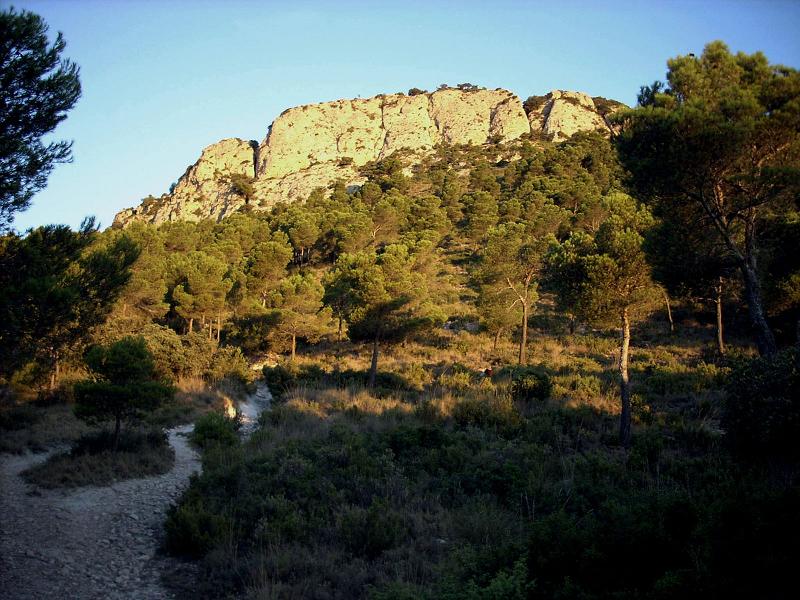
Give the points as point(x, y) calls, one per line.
point(312, 145)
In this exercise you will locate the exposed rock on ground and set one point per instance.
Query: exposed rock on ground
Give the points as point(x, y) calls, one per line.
point(93, 543)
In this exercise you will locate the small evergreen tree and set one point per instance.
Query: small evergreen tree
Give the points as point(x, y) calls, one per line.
point(606, 279)
point(388, 297)
point(300, 312)
point(125, 386)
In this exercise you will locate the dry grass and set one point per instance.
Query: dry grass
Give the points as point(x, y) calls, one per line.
point(669, 373)
point(92, 462)
point(194, 397)
point(34, 428)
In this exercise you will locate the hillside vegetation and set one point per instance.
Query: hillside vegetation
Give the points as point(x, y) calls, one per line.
point(519, 370)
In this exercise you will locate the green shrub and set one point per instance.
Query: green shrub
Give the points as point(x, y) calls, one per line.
point(280, 379)
point(529, 384)
point(192, 530)
point(228, 362)
point(762, 411)
point(579, 387)
point(493, 412)
point(214, 429)
point(370, 532)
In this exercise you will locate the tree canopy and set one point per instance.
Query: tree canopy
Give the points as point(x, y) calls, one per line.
point(723, 138)
point(126, 385)
point(37, 89)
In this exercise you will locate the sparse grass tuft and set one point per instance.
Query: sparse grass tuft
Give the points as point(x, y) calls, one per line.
point(93, 462)
point(34, 428)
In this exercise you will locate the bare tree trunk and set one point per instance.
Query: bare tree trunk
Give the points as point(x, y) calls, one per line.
point(669, 312)
point(765, 340)
point(191, 324)
point(294, 347)
point(718, 303)
point(219, 327)
point(55, 373)
point(373, 369)
point(496, 339)
point(625, 387)
point(524, 341)
point(339, 332)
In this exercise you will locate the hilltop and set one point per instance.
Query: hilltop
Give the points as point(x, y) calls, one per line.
point(314, 145)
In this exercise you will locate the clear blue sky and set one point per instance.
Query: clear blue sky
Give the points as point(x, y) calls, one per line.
point(163, 79)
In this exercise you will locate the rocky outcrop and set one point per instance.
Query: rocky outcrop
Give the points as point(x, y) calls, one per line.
point(204, 191)
point(310, 146)
point(561, 114)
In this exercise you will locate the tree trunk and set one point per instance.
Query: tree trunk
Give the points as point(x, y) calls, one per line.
point(294, 347)
point(191, 324)
point(764, 338)
point(718, 303)
point(625, 387)
point(524, 341)
point(373, 369)
point(572, 325)
point(496, 339)
point(797, 346)
point(117, 427)
point(219, 327)
point(669, 312)
point(339, 332)
point(55, 373)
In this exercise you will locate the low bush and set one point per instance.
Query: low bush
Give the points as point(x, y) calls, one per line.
point(762, 411)
point(497, 412)
point(530, 385)
point(370, 532)
point(192, 530)
point(215, 429)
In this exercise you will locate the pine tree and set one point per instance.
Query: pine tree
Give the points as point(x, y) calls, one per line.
point(37, 89)
point(723, 138)
point(606, 280)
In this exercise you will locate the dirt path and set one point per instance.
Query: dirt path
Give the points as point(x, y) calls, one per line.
point(91, 542)
point(95, 543)
point(251, 409)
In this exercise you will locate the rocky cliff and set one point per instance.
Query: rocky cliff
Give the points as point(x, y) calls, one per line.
point(310, 146)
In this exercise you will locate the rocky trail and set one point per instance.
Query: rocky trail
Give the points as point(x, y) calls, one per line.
point(95, 542)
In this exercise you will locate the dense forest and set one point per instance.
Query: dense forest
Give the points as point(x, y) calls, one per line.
point(518, 370)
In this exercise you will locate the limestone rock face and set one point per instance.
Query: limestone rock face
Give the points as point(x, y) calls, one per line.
point(562, 114)
point(311, 146)
point(367, 130)
point(296, 187)
point(203, 191)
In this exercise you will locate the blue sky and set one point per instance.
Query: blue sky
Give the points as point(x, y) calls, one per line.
point(163, 79)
